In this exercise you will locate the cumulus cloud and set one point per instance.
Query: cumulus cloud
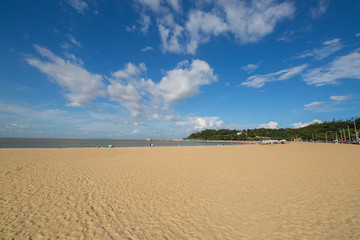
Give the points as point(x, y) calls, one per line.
point(124, 89)
point(258, 81)
point(184, 82)
point(247, 21)
point(81, 85)
point(250, 22)
point(78, 5)
point(127, 95)
point(171, 35)
point(301, 125)
point(271, 125)
point(130, 71)
point(201, 26)
point(344, 67)
point(200, 123)
point(145, 97)
point(329, 47)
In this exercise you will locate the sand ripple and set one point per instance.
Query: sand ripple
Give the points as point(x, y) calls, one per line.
point(294, 191)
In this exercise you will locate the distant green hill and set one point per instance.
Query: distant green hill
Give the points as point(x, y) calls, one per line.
point(317, 131)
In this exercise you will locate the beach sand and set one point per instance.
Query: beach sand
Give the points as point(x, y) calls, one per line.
point(291, 191)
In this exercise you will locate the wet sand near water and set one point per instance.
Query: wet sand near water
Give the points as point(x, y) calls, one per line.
point(291, 191)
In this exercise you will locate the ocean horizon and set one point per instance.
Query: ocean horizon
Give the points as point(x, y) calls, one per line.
point(93, 143)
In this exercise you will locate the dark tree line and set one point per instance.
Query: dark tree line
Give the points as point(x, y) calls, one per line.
point(316, 132)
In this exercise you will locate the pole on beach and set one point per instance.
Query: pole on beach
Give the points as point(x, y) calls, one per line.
point(326, 137)
point(356, 133)
point(344, 135)
point(341, 135)
point(337, 140)
point(349, 133)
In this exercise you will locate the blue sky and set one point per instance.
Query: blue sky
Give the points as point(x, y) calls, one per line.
point(166, 68)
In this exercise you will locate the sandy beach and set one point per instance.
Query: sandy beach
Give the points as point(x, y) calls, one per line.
point(292, 191)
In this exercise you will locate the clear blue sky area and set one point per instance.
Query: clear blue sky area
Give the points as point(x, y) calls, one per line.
point(166, 68)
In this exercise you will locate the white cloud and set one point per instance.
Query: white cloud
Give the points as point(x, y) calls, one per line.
point(170, 117)
point(327, 106)
point(175, 4)
point(148, 48)
point(17, 126)
point(29, 114)
point(171, 34)
point(247, 21)
point(40, 121)
point(142, 98)
point(316, 106)
point(258, 81)
point(159, 6)
point(344, 67)
point(128, 96)
point(73, 59)
point(301, 125)
point(320, 9)
point(82, 86)
point(131, 28)
point(125, 89)
point(135, 131)
point(145, 23)
point(130, 71)
point(329, 47)
point(153, 5)
point(250, 67)
point(200, 123)
point(357, 35)
point(340, 99)
point(201, 26)
point(271, 125)
point(74, 41)
point(145, 97)
point(78, 5)
point(65, 45)
point(251, 22)
point(181, 83)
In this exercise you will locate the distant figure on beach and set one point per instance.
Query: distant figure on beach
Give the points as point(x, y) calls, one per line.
point(151, 144)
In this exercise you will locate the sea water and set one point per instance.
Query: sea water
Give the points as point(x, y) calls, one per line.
point(90, 143)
